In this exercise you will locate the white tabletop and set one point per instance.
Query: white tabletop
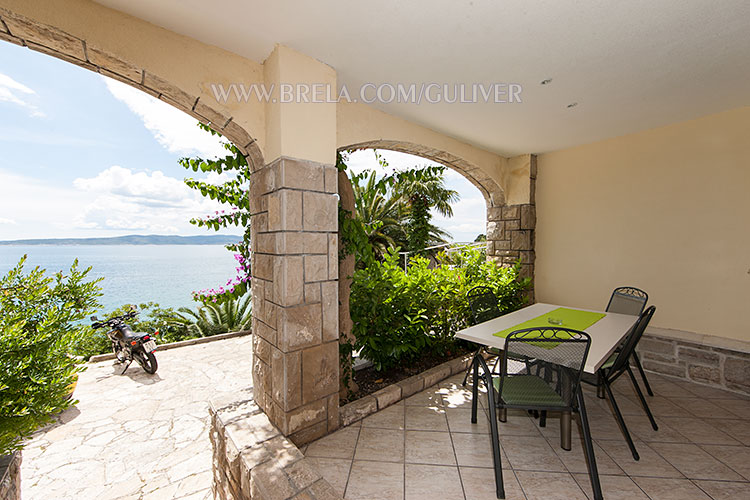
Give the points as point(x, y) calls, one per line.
point(606, 333)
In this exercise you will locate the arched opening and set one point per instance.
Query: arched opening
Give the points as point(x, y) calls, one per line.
point(417, 288)
point(490, 189)
point(160, 411)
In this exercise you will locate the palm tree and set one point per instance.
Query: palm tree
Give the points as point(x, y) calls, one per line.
point(231, 315)
point(394, 209)
point(379, 211)
point(423, 190)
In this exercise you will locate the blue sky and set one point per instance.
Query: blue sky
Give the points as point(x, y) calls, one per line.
point(82, 155)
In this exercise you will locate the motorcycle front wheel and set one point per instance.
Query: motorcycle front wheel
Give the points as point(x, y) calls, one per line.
point(147, 360)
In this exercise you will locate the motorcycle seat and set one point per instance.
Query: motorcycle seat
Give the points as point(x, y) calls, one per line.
point(130, 334)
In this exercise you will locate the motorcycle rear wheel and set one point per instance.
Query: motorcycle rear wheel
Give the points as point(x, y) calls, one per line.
point(147, 360)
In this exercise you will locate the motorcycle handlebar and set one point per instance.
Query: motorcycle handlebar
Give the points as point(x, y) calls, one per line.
point(114, 319)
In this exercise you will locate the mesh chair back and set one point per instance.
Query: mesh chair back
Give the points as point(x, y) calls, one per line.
point(627, 300)
point(631, 341)
point(556, 357)
point(483, 304)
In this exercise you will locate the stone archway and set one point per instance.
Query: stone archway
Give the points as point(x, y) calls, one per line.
point(492, 192)
point(50, 40)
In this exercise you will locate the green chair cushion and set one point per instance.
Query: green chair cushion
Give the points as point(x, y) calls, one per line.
point(528, 390)
point(610, 361)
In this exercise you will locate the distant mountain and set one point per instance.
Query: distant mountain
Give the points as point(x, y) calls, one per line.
point(134, 239)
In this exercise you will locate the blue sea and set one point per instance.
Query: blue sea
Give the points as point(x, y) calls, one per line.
point(134, 274)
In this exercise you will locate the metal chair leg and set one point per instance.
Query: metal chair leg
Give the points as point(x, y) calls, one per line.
point(543, 418)
point(588, 448)
point(621, 421)
point(643, 374)
point(474, 388)
point(643, 400)
point(599, 386)
point(496, 460)
point(502, 415)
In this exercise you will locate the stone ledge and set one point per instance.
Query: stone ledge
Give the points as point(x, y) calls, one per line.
point(253, 460)
point(181, 343)
point(10, 476)
point(365, 406)
point(692, 357)
point(701, 339)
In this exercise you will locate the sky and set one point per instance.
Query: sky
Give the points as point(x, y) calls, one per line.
point(82, 155)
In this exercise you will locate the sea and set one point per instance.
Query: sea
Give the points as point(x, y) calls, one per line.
point(134, 274)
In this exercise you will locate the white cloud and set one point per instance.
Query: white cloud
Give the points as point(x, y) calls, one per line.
point(141, 202)
point(3, 220)
point(174, 130)
point(11, 90)
point(364, 159)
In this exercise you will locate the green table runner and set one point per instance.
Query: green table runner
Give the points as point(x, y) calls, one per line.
point(571, 318)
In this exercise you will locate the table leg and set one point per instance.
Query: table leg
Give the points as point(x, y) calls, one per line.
point(565, 430)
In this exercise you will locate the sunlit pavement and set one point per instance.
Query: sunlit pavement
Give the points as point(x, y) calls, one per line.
point(138, 436)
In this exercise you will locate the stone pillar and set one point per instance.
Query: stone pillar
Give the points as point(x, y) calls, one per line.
point(511, 231)
point(346, 271)
point(295, 253)
point(295, 296)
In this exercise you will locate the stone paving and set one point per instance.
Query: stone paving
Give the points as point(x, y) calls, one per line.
point(138, 436)
point(425, 447)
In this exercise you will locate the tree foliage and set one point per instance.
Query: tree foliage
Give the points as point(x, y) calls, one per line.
point(234, 194)
point(40, 322)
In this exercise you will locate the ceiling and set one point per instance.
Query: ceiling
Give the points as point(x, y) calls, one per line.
point(629, 66)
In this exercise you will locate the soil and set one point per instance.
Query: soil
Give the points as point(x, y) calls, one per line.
point(370, 380)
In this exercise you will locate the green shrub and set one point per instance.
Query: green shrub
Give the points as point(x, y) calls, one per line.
point(40, 322)
point(400, 315)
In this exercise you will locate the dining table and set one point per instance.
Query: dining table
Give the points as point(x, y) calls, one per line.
point(606, 330)
point(606, 333)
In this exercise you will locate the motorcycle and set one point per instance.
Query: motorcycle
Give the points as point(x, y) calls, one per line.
point(128, 345)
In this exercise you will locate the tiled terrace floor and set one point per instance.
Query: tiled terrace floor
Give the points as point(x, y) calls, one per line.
point(426, 448)
point(137, 436)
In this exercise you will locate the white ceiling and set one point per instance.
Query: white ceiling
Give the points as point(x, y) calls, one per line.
point(630, 65)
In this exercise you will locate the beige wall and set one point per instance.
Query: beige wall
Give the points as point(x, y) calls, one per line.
point(667, 210)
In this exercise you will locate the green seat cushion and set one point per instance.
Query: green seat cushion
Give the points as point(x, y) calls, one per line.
point(610, 361)
point(528, 390)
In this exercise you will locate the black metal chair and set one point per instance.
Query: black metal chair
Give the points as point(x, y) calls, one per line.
point(484, 307)
point(561, 352)
point(619, 363)
point(630, 300)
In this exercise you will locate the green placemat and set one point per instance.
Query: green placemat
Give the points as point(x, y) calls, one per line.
point(571, 318)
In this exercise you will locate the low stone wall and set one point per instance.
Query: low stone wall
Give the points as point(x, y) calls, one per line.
point(359, 409)
point(253, 460)
point(10, 469)
point(180, 343)
point(698, 362)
